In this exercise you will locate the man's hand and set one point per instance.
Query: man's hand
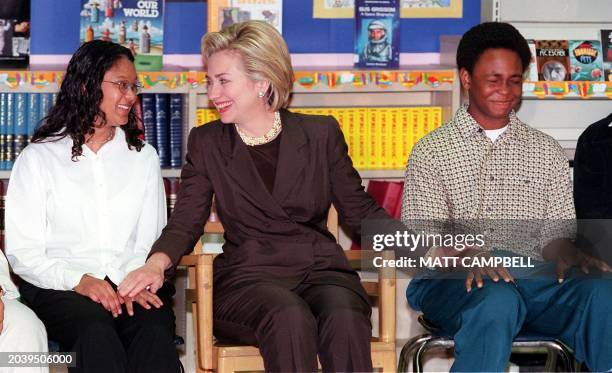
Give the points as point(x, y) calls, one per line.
point(150, 276)
point(478, 273)
point(145, 298)
point(567, 255)
point(100, 291)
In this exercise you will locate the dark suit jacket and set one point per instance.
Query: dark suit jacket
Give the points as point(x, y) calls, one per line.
point(280, 236)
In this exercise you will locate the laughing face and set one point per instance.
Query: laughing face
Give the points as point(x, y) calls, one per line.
point(232, 92)
point(495, 87)
point(117, 102)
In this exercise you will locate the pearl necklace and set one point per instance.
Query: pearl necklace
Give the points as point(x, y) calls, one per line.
point(271, 135)
point(109, 138)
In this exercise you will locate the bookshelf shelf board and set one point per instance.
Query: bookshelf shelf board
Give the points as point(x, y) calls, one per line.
point(382, 174)
point(569, 90)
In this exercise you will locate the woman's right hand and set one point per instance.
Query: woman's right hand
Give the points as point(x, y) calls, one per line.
point(150, 276)
point(99, 291)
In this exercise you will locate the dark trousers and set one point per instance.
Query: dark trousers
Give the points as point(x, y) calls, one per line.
point(140, 343)
point(291, 327)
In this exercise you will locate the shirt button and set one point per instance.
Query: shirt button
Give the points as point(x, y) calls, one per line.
point(489, 209)
point(491, 178)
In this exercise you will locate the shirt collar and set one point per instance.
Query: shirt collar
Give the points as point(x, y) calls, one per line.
point(469, 127)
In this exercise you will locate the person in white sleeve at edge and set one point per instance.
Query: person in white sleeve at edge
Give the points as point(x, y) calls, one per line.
point(20, 330)
point(85, 203)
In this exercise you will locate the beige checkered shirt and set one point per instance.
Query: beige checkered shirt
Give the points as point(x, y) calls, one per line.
point(515, 191)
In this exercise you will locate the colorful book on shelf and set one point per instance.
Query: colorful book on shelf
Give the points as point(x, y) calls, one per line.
point(606, 47)
point(14, 33)
point(377, 34)
point(585, 60)
point(532, 71)
point(9, 153)
point(161, 128)
point(33, 114)
point(148, 118)
point(176, 130)
point(224, 13)
point(20, 135)
point(3, 129)
point(137, 25)
point(553, 60)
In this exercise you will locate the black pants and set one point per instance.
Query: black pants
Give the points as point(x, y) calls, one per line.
point(291, 327)
point(140, 343)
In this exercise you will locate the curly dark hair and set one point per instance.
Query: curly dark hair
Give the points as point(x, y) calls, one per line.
point(491, 35)
point(78, 101)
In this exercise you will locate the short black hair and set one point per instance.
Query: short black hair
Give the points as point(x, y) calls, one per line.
point(491, 35)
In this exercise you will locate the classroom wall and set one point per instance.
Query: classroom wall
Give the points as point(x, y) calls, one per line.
point(55, 28)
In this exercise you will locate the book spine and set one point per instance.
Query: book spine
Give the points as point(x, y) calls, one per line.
point(176, 130)
point(148, 118)
point(46, 102)
point(3, 128)
point(161, 128)
point(33, 113)
point(393, 137)
point(10, 131)
point(21, 123)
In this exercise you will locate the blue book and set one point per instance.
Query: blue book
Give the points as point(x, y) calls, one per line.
point(377, 34)
point(148, 118)
point(161, 128)
point(3, 128)
point(10, 131)
point(33, 113)
point(21, 124)
point(176, 130)
point(46, 102)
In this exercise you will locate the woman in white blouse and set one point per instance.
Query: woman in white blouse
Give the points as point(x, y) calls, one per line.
point(84, 205)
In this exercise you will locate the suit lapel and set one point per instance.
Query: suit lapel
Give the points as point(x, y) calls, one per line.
point(242, 170)
point(292, 156)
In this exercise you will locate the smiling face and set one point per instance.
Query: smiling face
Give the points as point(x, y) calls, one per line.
point(116, 105)
point(232, 92)
point(495, 87)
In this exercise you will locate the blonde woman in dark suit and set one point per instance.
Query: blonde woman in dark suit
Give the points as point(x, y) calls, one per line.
point(282, 283)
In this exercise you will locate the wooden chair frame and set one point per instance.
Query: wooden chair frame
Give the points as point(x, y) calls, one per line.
point(211, 356)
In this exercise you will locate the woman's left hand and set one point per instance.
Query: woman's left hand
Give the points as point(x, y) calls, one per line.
point(145, 298)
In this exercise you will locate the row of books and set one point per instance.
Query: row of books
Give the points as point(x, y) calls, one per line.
point(20, 114)
point(377, 137)
point(566, 60)
point(162, 118)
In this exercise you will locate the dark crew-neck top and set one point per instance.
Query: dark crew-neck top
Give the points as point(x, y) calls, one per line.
point(265, 157)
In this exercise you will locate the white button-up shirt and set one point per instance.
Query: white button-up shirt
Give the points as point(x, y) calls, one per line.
point(98, 215)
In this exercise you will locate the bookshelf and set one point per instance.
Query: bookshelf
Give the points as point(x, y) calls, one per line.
point(342, 86)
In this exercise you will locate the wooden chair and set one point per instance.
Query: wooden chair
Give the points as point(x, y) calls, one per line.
point(212, 356)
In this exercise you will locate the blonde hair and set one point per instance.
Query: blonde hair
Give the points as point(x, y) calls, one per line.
point(264, 54)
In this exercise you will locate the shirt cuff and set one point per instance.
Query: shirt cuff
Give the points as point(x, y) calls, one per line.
point(72, 277)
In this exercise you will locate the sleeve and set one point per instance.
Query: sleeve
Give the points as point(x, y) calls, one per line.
point(26, 223)
point(590, 194)
point(348, 195)
point(192, 208)
point(560, 213)
point(152, 217)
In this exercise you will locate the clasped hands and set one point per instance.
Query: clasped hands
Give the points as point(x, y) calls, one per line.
point(101, 291)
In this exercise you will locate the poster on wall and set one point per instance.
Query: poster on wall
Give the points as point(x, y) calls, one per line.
point(14, 33)
point(223, 13)
point(135, 24)
point(606, 47)
point(408, 8)
point(377, 34)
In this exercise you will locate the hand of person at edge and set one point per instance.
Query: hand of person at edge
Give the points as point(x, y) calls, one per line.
point(100, 291)
point(150, 276)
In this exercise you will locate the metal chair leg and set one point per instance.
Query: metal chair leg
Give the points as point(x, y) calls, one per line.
point(407, 351)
